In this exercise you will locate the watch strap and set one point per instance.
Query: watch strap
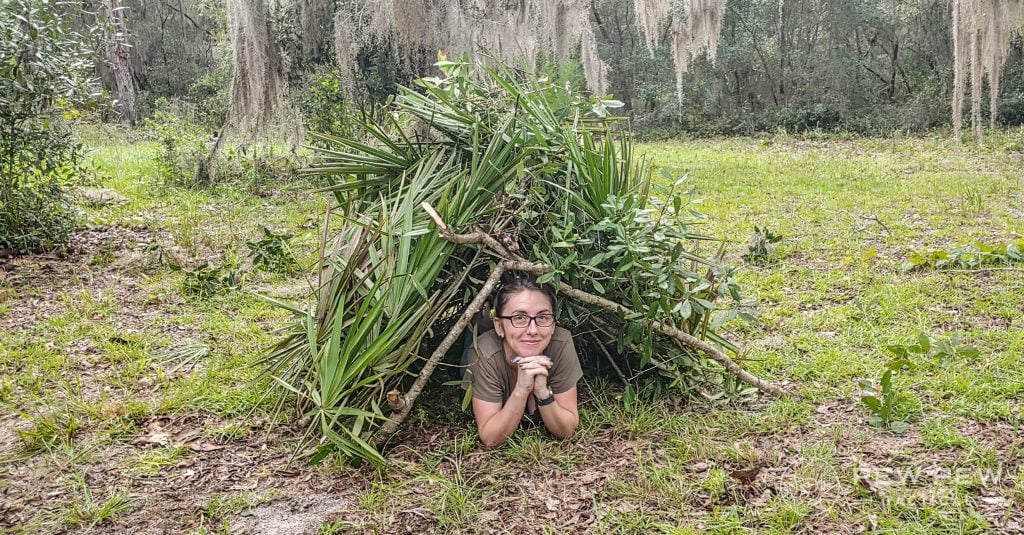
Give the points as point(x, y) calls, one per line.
point(548, 400)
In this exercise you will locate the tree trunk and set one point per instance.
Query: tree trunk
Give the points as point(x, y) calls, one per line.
point(958, 71)
point(782, 51)
point(256, 99)
point(976, 74)
point(119, 57)
point(313, 14)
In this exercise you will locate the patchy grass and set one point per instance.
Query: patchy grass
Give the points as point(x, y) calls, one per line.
point(96, 378)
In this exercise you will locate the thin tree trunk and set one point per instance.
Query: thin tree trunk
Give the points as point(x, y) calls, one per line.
point(119, 56)
point(958, 71)
point(782, 50)
point(976, 75)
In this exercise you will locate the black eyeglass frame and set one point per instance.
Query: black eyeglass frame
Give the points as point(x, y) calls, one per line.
point(532, 318)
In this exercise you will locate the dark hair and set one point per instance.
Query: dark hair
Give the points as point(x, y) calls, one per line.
point(513, 282)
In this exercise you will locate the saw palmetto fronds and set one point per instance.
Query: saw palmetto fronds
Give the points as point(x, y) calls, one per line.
point(539, 166)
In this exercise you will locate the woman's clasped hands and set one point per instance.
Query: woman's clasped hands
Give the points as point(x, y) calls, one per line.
point(533, 375)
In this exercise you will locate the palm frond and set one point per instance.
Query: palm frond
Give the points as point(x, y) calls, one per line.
point(524, 159)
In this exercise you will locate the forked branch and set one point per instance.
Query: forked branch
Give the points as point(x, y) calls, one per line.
point(518, 263)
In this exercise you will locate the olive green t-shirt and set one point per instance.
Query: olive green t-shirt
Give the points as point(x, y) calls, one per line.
point(494, 380)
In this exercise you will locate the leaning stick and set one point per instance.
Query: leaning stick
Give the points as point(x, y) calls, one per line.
point(518, 263)
point(474, 307)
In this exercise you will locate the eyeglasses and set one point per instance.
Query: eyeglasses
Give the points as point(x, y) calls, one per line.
point(522, 320)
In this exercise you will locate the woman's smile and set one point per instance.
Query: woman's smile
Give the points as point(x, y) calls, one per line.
point(531, 340)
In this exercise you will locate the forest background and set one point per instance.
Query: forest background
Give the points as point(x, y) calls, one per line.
point(863, 66)
point(886, 270)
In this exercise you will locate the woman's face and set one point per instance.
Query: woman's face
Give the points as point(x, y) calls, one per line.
point(526, 341)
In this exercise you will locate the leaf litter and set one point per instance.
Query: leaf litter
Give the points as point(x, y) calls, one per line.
point(300, 499)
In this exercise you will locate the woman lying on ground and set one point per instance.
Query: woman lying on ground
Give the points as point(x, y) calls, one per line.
point(525, 367)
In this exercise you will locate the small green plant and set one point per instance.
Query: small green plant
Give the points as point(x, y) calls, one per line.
point(90, 511)
point(222, 505)
point(151, 462)
point(271, 252)
point(255, 166)
point(6, 390)
point(970, 256)
point(880, 398)
point(185, 354)
point(939, 351)
point(159, 256)
point(973, 202)
point(762, 247)
point(209, 280)
point(183, 146)
point(1018, 486)
point(104, 256)
point(50, 432)
point(715, 484)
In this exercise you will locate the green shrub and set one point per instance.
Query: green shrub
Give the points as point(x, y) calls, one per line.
point(325, 107)
point(183, 146)
point(43, 81)
point(210, 279)
point(209, 96)
point(35, 208)
point(813, 117)
point(255, 166)
point(271, 252)
point(1011, 109)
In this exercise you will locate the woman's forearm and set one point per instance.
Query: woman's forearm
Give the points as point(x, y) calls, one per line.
point(496, 430)
point(559, 421)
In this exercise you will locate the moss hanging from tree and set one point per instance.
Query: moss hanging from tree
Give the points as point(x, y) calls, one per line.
point(517, 32)
point(312, 14)
point(257, 99)
point(982, 32)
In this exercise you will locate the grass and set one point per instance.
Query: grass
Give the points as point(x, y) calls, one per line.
point(87, 363)
point(89, 511)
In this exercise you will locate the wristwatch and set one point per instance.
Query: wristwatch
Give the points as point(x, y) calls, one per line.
point(548, 400)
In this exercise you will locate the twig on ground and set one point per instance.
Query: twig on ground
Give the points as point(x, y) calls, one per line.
point(979, 269)
point(874, 218)
point(869, 217)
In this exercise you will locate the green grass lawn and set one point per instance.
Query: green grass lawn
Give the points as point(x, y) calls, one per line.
point(104, 426)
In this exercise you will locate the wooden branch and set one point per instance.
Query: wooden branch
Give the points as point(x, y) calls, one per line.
point(607, 355)
point(474, 307)
point(518, 263)
point(683, 336)
point(478, 236)
point(190, 19)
